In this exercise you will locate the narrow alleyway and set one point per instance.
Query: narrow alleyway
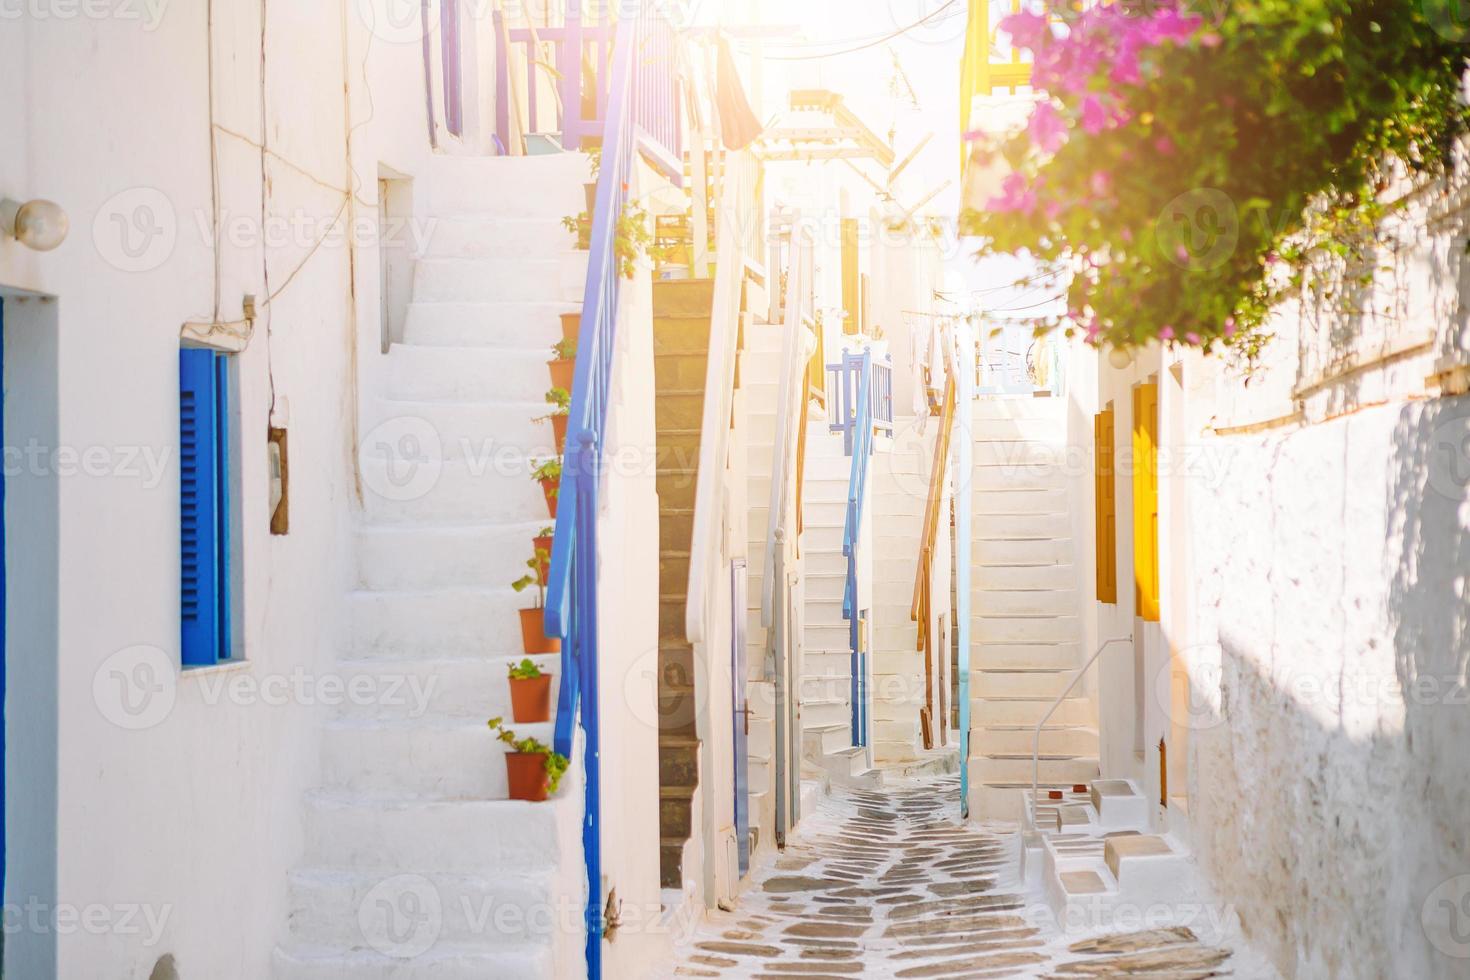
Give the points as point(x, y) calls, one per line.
point(890, 884)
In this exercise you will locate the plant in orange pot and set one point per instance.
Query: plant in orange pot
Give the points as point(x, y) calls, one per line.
point(543, 542)
point(560, 400)
point(532, 769)
point(530, 692)
point(548, 474)
point(563, 365)
point(533, 620)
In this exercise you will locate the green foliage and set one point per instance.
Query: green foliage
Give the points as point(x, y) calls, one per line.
point(1253, 147)
point(538, 560)
point(565, 350)
point(556, 764)
point(549, 470)
point(560, 399)
point(526, 670)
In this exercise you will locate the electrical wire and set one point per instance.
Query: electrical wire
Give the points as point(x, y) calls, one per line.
point(873, 43)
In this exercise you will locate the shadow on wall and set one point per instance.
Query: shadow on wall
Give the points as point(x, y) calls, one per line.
point(1331, 804)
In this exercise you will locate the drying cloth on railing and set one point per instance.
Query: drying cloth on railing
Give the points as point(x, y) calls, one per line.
point(739, 126)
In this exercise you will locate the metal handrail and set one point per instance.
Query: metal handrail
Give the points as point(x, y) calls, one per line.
point(857, 491)
point(571, 593)
point(1030, 810)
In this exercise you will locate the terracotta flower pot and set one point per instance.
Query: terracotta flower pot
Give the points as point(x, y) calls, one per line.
point(543, 544)
point(530, 699)
point(533, 633)
point(559, 432)
point(526, 774)
point(590, 191)
point(550, 489)
point(571, 326)
point(563, 372)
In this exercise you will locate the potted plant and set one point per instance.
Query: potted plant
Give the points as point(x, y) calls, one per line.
point(589, 189)
point(571, 326)
point(530, 693)
point(532, 769)
point(560, 400)
point(581, 226)
point(548, 474)
point(533, 620)
point(563, 364)
point(543, 542)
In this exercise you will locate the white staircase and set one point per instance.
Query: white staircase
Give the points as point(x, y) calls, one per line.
point(412, 850)
point(826, 678)
point(1026, 636)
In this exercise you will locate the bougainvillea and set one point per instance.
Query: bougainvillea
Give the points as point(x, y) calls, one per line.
point(1183, 160)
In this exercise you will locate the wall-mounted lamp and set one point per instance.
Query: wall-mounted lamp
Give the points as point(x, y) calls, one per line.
point(41, 225)
point(1120, 358)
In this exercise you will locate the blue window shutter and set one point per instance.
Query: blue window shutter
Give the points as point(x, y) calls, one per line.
point(200, 519)
point(222, 495)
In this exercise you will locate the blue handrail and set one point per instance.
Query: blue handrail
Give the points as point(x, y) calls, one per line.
point(571, 593)
point(860, 436)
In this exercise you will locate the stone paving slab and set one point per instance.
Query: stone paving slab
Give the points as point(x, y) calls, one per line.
point(892, 885)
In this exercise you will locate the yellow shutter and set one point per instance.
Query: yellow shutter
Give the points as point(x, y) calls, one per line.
point(1106, 505)
point(851, 277)
point(1146, 501)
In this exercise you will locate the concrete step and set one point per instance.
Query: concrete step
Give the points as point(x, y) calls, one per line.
point(422, 558)
point(990, 578)
point(441, 962)
point(497, 436)
point(826, 637)
point(538, 187)
point(1032, 684)
point(342, 909)
point(467, 374)
point(1027, 602)
point(1010, 501)
point(429, 757)
point(1012, 552)
point(501, 324)
point(454, 622)
point(1026, 656)
point(1017, 769)
point(829, 663)
point(349, 833)
point(468, 689)
point(485, 236)
point(413, 490)
point(1046, 429)
point(991, 408)
point(819, 712)
point(822, 740)
point(1022, 526)
point(1021, 478)
point(1023, 629)
point(1014, 713)
point(1069, 741)
point(825, 587)
point(477, 280)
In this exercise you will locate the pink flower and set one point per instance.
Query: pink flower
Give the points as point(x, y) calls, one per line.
point(1211, 39)
point(1166, 332)
point(1192, 338)
point(1027, 30)
point(1181, 253)
point(1047, 128)
point(1094, 116)
point(1093, 329)
point(1101, 183)
point(1015, 195)
point(1230, 326)
point(1164, 146)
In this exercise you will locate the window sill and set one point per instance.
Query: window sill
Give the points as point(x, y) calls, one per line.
point(225, 667)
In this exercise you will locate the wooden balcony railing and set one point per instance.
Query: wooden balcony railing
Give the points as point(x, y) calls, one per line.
point(922, 610)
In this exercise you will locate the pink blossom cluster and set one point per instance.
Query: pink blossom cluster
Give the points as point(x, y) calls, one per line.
point(1100, 54)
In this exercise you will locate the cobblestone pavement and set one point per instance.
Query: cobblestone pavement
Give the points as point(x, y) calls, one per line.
point(889, 884)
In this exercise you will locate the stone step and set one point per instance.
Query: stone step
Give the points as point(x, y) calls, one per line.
point(1026, 656)
point(1010, 553)
point(454, 622)
point(1010, 527)
point(440, 962)
point(485, 236)
point(1041, 685)
point(675, 812)
point(829, 663)
point(425, 757)
point(1014, 713)
point(500, 324)
point(1017, 769)
point(1069, 741)
point(1006, 501)
point(1119, 804)
point(349, 833)
point(421, 558)
point(683, 298)
point(990, 578)
point(680, 372)
point(825, 586)
point(679, 409)
point(539, 187)
point(990, 408)
point(826, 687)
point(1047, 429)
point(1021, 478)
point(345, 909)
point(1026, 602)
point(476, 280)
point(469, 689)
point(455, 491)
point(498, 436)
point(1025, 629)
point(824, 740)
point(467, 374)
point(817, 712)
point(826, 637)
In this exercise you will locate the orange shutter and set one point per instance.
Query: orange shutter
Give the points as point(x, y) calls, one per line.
point(1146, 501)
point(1106, 504)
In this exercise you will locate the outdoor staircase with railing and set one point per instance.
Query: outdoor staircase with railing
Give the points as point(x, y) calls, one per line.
point(412, 810)
point(1026, 634)
point(681, 331)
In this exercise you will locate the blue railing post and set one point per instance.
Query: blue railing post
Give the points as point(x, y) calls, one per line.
point(858, 432)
